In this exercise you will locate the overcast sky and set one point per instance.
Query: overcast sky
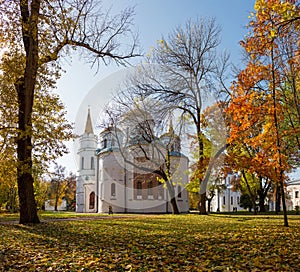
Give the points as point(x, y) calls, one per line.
point(80, 86)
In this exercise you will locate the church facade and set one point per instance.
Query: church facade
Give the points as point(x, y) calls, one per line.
point(110, 180)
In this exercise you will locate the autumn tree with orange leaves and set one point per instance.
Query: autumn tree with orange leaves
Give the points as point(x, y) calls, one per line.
point(264, 108)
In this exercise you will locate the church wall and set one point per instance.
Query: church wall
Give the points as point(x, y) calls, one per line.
point(79, 195)
point(180, 178)
point(111, 183)
point(90, 198)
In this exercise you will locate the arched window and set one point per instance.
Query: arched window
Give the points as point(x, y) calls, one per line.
point(113, 190)
point(92, 163)
point(92, 200)
point(150, 189)
point(160, 191)
point(139, 190)
point(179, 191)
point(104, 143)
point(82, 162)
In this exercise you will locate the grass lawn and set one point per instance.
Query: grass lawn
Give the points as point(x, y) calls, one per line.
point(151, 243)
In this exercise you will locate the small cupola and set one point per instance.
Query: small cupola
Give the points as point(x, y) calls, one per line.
point(170, 140)
point(110, 138)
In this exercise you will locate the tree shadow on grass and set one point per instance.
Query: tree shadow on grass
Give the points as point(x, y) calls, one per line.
point(177, 244)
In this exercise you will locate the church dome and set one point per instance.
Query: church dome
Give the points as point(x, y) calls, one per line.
point(139, 126)
point(110, 138)
point(137, 116)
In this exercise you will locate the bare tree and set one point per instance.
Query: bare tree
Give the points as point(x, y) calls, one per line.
point(184, 72)
point(45, 31)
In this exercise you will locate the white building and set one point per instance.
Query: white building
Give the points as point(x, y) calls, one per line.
point(105, 181)
point(61, 207)
point(293, 195)
point(226, 200)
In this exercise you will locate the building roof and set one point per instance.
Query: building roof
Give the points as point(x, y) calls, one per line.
point(111, 129)
point(294, 182)
point(88, 124)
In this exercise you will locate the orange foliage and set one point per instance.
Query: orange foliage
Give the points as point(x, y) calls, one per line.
point(257, 139)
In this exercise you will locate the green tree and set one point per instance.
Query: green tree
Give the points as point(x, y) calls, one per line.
point(41, 32)
point(61, 186)
point(49, 127)
point(41, 188)
point(246, 202)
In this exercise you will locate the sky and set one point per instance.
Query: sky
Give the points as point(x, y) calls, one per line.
point(81, 87)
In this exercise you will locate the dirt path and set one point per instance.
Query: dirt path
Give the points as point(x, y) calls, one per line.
point(79, 218)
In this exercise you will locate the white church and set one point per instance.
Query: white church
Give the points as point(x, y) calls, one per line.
point(107, 183)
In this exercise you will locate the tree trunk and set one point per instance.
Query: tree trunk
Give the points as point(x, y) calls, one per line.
point(173, 201)
point(277, 199)
point(261, 204)
point(208, 204)
point(28, 210)
point(56, 198)
point(254, 208)
point(202, 204)
point(286, 224)
point(25, 87)
point(174, 205)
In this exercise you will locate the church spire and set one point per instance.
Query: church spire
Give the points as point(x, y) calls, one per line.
point(88, 125)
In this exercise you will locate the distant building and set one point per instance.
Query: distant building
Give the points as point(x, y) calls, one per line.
point(293, 195)
point(226, 200)
point(61, 207)
point(105, 182)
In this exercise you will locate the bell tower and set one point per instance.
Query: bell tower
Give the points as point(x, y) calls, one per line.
point(86, 183)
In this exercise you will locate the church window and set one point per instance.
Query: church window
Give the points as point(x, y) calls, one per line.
point(179, 194)
point(150, 189)
point(92, 163)
point(297, 194)
point(104, 143)
point(113, 190)
point(139, 190)
point(101, 190)
point(82, 162)
point(231, 200)
point(160, 191)
point(92, 200)
point(224, 200)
